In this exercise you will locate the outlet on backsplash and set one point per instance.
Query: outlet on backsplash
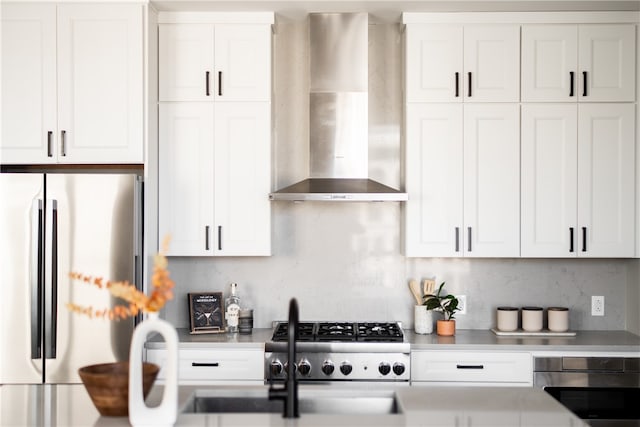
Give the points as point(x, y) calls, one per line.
point(597, 305)
point(462, 304)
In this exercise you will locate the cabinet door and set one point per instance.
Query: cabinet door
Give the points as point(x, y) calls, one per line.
point(434, 63)
point(606, 172)
point(28, 83)
point(549, 63)
point(186, 65)
point(100, 83)
point(433, 221)
point(243, 178)
point(492, 63)
point(243, 62)
point(186, 177)
point(491, 180)
point(607, 62)
point(549, 186)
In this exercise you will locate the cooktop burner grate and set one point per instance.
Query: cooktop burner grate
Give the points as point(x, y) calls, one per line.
point(343, 331)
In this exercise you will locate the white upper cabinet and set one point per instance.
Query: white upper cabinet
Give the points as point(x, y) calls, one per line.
point(462, 176)
point(221, 62)
point(72, 78)
point(455, 63)
point(587, 63)
point(578, 180)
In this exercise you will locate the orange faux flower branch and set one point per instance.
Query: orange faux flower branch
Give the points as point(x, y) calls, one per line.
point(137, 300)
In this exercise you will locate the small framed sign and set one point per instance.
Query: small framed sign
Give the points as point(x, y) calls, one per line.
point(206, 312)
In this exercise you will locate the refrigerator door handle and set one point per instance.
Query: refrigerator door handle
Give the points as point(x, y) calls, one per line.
point(51, 308)
point(36, 278)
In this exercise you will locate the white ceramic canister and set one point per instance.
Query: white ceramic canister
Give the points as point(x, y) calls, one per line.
point(422, 320)
point(507, 318)
point(532, 319)
point(558, 319)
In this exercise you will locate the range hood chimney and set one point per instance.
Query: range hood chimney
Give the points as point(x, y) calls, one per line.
point(338, 109)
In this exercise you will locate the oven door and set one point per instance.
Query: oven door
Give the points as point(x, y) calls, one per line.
point(601, 406)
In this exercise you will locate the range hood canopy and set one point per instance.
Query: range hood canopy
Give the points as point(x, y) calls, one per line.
point(338, 115)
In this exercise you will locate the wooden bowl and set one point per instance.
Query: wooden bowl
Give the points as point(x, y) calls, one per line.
point(108, 385)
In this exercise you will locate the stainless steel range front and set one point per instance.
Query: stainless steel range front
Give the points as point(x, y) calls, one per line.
point(341, 351)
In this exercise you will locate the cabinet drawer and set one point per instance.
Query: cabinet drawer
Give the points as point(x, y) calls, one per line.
point(471, 367)
point(213, 365)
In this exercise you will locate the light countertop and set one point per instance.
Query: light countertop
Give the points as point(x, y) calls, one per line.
point(70, 405)
point(465, 339)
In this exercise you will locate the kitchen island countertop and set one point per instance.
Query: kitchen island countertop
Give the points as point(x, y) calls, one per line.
point(465, 339)
point(70, 405)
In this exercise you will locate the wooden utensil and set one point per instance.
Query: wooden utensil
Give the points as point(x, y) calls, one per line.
point(428, 286)
point(415, 290)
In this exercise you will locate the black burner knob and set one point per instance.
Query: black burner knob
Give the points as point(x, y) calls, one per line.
point(398, 368)
point(304, 367)
point(346, 368)
point(327, 367)
point(384, 368)
point(276, 368)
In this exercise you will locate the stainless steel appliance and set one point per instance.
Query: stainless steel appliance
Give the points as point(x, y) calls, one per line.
point(603, 391)
point(52, 224)
point(341, 352)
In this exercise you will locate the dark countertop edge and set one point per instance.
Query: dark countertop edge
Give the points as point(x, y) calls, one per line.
point(465, 339)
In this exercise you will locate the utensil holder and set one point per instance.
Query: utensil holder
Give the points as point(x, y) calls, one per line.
point(422, 320)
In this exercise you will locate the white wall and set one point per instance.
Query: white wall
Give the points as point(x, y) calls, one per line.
point(343, 261)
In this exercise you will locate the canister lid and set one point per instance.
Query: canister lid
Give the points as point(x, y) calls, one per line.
point(532, 308)
point(508, 308)
point(558, 309)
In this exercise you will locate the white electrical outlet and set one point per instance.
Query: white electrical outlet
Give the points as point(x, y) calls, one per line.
point(597, 305)
point(462, 304)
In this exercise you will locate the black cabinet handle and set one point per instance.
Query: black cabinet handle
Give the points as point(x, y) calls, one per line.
point(470, 366)
point(584, 83)
point(457, 84)
point(584, 239)
point(63, 142)
point(457, 239)
point(49, 144)
point(219, 237)
point(219, 83)
point(469, 236)
point(570, 239)
point(212, 364)
point(206, 84)
point(206, 238)
point(571, 82)
point(469, 74)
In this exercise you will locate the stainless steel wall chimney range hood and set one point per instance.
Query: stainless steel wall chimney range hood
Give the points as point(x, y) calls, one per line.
point(338, 109)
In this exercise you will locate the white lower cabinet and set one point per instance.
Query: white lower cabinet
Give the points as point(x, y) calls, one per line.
point(214, 366)
point(462, 368)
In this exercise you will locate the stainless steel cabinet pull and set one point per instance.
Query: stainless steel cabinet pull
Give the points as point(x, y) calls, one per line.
point(206, 84)
point(457, 84)
point(470, 366)
point(584, 83)
point(584, 239)
point(206, 238)
point(570, 239)
point(571, 82)
point(469, 74)
point(63, 141)
point(37, 240)
point(469, 235)
point(219, 83)
point(49, 144)
point(51, 312)
point(212, 364)
point(457, 239)
point(219, 237)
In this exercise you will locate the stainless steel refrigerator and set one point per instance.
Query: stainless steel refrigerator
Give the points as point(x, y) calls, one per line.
point(52, 224)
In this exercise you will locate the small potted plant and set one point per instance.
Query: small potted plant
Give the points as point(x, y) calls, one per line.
point(448, 305)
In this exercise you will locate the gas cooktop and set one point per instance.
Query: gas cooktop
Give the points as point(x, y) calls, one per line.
point(342, 332)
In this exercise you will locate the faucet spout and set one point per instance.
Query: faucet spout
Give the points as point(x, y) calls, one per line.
point(289, 393)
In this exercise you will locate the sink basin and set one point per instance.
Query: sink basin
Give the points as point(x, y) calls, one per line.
point(326, 402)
